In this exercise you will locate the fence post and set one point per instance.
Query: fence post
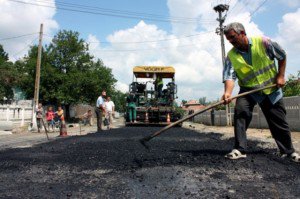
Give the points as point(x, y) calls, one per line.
point(7, 114)
point(22, 117)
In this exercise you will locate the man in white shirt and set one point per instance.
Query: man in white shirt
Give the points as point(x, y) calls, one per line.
point(100, 110)
point(109, 110)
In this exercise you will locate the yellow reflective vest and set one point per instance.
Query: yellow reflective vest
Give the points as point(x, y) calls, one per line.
point(261, 73)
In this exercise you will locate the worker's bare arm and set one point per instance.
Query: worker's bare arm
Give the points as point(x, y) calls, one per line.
point(228, 88)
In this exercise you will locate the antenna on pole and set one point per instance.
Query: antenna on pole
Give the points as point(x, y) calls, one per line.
point(220, 31)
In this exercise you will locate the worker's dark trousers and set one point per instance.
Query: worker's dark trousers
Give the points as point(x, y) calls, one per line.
point(99, 118)
point(275, 116)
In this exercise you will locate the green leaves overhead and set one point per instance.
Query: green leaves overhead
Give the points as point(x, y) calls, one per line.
point(8, 76)
point(69, 74)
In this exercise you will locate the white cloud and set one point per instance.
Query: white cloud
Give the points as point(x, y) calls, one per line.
point(20, 19)
point(196, 58)
point(288, 38)
point(198, 68)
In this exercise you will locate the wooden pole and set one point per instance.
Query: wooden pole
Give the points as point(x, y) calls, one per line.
point(37, 80)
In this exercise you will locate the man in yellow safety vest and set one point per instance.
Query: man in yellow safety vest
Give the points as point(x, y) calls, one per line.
point(252, 62)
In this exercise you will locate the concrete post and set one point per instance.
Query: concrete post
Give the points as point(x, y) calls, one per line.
point(7, 114)
point(22, 117)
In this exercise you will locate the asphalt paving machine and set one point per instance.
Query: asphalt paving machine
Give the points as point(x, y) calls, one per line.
point(152, 107)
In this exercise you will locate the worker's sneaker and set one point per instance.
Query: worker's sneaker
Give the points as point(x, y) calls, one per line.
point(235, 154)
point(281, 155)
point(294, 157)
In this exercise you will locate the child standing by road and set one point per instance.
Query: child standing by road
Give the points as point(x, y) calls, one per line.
point(50, 118)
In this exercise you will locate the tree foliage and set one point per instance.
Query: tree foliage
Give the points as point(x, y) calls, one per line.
point(119, 100)
point(292, 87)
point(69, 74)
point(8, 76)
point(183, 102)
point(202, 101)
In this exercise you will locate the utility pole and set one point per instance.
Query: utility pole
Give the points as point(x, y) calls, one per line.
point(37, 80)
point(220, 31)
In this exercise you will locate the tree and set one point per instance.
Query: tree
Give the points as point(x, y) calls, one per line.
point(8, 76)
point(69, 74)
point(202, 100)
point(119, 100)
point(292, 87)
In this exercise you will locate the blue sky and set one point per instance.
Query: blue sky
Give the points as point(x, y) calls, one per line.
point(102, 25)
point(191, 46)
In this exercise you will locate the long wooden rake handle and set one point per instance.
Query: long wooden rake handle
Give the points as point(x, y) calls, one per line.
point(147, 138)
point(46, 131)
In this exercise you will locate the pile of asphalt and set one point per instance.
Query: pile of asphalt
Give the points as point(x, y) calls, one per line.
point(181, 163)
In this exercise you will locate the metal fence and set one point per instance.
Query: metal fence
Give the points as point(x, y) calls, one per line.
point(218, 118)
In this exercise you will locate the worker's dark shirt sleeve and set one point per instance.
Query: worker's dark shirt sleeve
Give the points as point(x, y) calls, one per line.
point(273, 49)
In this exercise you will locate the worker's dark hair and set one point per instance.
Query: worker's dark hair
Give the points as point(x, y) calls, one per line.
point(236, 26)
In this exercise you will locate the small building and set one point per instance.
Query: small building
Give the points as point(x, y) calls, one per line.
point(192, 105)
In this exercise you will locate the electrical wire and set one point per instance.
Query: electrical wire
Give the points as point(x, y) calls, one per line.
point(145, 49)
point(233, 7)
point(28, 45)
point(116, 10)
point(149, 41)
point(258, 7)
point(15, 37)
point(114, 14)
point(156, 41)
point(245, 4)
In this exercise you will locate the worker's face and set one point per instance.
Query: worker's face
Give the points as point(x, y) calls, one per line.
point(103, 93)
point(237, 40)
point(108, 99)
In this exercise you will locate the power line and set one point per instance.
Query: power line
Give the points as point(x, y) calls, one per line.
point(145, 49)
point(15, 37)
point(119, 11)
point(28, 45)
point(149, 41)
point(114, 14)
point(233, 7)
point(258, 8)
point(245, 5)
point(155, 41)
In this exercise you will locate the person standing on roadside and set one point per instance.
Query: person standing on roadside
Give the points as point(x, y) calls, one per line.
point(109, 110)
point(100, 110)
point(252, 62)
point(50, 118)
point(131, 107)
point(39, 116)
